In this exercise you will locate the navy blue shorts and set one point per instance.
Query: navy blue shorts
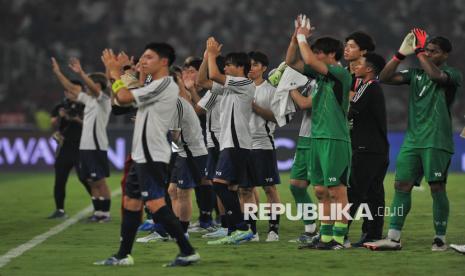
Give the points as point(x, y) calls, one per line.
point(152, 179)
point(232, 165)
point(93, 165)
point(188, 171)
point(262, 168)
point(212, 160)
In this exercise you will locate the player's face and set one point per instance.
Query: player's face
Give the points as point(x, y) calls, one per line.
point(361, 69)
point(321, 56)
point(232, 70)
point(352, 51)
point(189, 74)
point(151, 62)
point(435, 54)
point(256, 70)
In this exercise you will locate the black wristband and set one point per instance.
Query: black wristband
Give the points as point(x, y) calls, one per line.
point(127, 67)
point(399, 56)
point(419, 51)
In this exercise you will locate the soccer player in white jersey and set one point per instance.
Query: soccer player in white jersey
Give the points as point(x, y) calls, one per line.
point(189, 166)
point(210, 105)
point(151, 150)
point(205, 197)
point(235, 138)
point(93, 159)
point(262, 166)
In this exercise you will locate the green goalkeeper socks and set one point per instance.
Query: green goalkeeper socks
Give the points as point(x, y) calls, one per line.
point(339, 232)
point(301, 196)
point(400, 208)
point(326, 232)
point(440, 212)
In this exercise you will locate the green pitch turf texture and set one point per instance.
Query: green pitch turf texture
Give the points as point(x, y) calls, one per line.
point(26, 199)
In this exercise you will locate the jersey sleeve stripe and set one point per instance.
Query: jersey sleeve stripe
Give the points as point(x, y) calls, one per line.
point(160, 88)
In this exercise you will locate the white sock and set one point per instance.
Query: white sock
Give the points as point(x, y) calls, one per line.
point(394, 234)
point(310, 228)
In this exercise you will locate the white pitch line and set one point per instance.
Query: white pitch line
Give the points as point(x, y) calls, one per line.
point(21, 249)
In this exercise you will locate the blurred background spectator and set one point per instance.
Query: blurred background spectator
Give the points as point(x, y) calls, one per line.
point(32, 31)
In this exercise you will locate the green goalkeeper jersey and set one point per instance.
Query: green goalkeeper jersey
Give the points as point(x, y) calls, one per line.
point(429, 118)
point(330, 103)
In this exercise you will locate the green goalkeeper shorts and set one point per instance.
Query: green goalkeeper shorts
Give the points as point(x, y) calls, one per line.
point(330, 162)
point(301, 166)
point(414, 163)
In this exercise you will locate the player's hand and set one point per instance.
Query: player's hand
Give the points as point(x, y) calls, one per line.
point(305, 26)
point(408, 45)
point(112, 64)
point(75, 65)
point(213, 47)
point(420, 39)
point(124, 59)
point(55, 66)
point(189, 83)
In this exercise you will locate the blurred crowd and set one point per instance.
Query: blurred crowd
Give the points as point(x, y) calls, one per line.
point(32, 31)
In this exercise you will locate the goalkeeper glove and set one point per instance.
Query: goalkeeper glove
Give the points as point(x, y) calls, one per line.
point(407, 46)
point(275, 75)
point(420, 40)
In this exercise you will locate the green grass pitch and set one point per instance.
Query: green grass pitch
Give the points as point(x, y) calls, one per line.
point(26, 199)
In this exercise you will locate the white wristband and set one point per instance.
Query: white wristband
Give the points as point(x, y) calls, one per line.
point(301, 38)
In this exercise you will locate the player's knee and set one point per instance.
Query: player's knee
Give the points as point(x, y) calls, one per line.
point(270, 190)
point(403, 186)
point(246, 192)
point(172, 191)
point(437, 187)
point(155, 204)
point(132, 204)
point(299, 183)
point(321, 192)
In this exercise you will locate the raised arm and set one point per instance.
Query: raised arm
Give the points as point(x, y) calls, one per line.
point(292, 56)
point(202, 76)
point(213, 51)
point(389, 74)
point(75, 65)
point(114, 67)
point(303, 32)
point(433, 71)
point(72, 89)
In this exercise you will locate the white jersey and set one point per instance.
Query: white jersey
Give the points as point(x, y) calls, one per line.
point(261, 129)
point(186, 120)
point(306, 126)
point(156, 104)
point(236, 110)
point(211, 103)
point(94, 126)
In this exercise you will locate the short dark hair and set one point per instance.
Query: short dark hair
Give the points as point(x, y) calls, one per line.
point(442, 42)
point(375, 61)
point(329, 45)
point(164, 50)
point(175, 69)
point(259, 57)
point(363, 40)
point(192, 61)
point(239, 59)
point(99, 78)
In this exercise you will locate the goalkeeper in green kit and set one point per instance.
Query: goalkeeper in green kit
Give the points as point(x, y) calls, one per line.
point(428, 146)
